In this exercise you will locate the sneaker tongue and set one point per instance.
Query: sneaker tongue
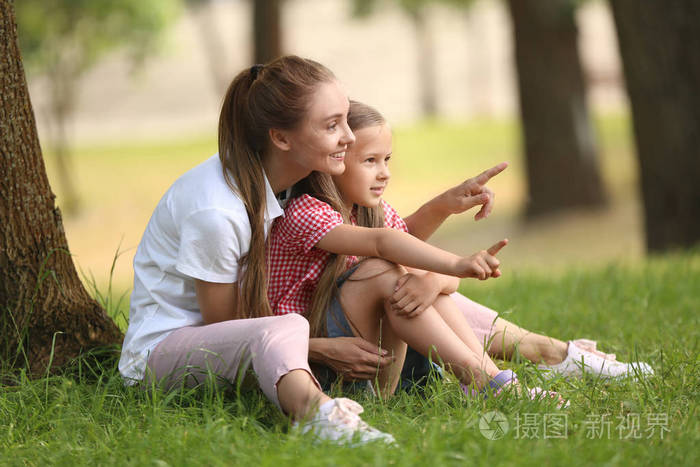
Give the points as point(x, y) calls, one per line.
point(349, 405)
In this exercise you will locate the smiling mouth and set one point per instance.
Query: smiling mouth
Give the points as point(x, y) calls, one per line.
point(339, 156)
point(378, 190)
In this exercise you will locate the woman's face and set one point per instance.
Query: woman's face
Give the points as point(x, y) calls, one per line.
point(366, 167)
point(320, 141)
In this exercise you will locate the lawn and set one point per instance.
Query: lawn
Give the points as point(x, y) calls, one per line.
point(646, 311)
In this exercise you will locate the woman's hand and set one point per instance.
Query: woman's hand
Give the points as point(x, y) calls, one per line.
point(352, 357)
point(473, 192)
point(483, 264)
point(414, 293)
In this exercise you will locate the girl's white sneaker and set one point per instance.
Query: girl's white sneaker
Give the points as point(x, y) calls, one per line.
point(339, 420)
point(583, 358)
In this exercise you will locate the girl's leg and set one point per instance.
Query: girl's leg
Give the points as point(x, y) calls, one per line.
point(365, 314)
point(370, 288)
point(455, 319)
point(277, 347)
point(502, 337)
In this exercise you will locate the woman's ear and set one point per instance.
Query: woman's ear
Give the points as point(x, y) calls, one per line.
point(280, 139)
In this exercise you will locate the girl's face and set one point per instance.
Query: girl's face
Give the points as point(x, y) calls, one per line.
point(320, 141)
point(366, 167)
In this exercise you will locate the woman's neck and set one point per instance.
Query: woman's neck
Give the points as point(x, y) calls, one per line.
point(281, 172)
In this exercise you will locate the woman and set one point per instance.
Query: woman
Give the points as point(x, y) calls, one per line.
point(199, 302)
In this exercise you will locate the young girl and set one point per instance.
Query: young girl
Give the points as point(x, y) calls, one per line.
point(418, 289)
point(307, 255)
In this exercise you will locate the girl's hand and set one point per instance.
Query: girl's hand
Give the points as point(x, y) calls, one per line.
point(473, 192)
point(414, 293)
point(351, 357)
point(483, 264)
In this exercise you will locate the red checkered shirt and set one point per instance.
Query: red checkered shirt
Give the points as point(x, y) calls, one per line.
point(295, 265)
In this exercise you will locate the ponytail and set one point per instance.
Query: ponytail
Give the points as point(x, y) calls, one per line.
point(263, 97)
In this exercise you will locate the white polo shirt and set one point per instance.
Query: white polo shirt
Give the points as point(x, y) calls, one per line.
point(199, 230)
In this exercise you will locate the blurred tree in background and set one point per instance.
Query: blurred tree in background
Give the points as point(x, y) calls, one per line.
point(213, 43)
point(62, 39)
point(560, 146)
point(660, 47)
point(266, 36)
point(267, 33)
point(46, 315)
point(416, 12)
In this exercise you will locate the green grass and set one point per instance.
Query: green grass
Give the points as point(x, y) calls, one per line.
point(647, 312)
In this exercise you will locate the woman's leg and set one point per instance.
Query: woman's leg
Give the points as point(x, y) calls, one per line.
point(502, 337)
point(277, 347)
point(370, 287)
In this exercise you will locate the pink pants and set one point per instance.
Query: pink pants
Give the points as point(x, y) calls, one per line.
point(275, 346)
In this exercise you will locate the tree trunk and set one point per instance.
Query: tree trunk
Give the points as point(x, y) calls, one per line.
point(660, 48)
point(560, 147)
point(266, 30)
point(425, 62)
point(46, 316)
point(213, 44)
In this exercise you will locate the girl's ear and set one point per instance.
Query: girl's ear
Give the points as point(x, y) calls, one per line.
point(280, 139)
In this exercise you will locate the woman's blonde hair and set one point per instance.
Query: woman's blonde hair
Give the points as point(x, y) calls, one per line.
point(321, 186)
point(275, 95)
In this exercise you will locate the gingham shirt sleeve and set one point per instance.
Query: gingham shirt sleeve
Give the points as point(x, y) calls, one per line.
point(306, 221)
point(392, 218)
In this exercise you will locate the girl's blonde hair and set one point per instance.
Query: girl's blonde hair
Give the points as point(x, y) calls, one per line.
point(321, 186)
point(275, 95)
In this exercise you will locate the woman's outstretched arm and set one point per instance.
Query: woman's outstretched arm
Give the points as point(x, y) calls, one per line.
point(473, 192)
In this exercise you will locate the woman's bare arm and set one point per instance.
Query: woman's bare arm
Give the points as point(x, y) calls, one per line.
point(217, 302)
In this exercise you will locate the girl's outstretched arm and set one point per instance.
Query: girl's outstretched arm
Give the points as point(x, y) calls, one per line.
point(473, 192)
point(402, 248)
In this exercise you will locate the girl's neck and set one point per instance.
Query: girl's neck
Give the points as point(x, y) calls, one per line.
point(281, 172)
point(349, 205)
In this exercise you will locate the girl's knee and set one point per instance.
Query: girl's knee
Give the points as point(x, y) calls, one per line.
point(376, 267)
point(379, 274)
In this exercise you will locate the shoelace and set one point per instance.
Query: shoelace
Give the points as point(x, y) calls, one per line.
point(347, 412)
point(590, 346)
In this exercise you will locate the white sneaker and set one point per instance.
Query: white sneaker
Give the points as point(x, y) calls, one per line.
point(583, 357)
point(339, 420)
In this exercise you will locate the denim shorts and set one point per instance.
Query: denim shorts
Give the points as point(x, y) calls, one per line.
point(416, 369)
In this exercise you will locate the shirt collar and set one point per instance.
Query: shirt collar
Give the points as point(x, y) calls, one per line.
point(272, 205)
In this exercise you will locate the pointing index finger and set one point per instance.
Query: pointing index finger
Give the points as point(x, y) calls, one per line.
point(497, 247)
point(487, 175)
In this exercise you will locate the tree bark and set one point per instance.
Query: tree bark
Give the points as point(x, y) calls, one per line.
point(266, 30)
point(660, 48)
point(560, 147)
point(213, 43)
point(46, 315)
point(425, 63)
